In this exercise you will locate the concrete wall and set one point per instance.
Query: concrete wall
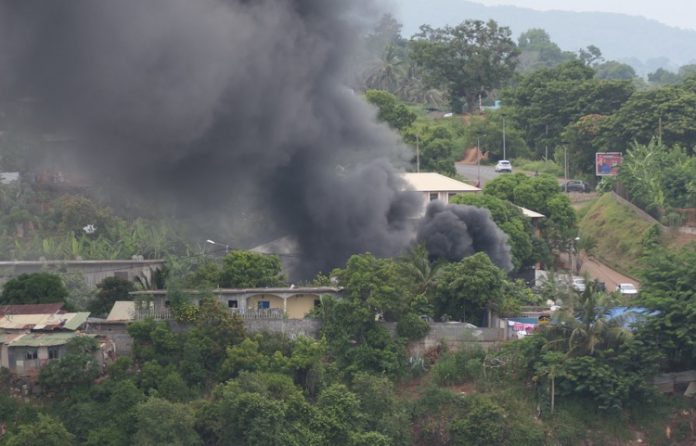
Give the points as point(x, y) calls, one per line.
point(116, 332)
point(300, 306)
point(292, 328)
point(93, 272)
point(454, 335)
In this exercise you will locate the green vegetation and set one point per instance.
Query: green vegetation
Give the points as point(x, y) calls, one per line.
point(37, 288)
point(619, 235)
point(584, 377)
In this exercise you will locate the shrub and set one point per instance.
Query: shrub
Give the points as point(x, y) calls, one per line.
point(412, 327)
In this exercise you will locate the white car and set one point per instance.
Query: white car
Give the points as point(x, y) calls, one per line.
point(503, 166)
point(627, 289)
point(579, 284)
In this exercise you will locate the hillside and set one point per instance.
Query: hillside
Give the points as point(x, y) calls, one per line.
point(616, 233)
point(645, 44)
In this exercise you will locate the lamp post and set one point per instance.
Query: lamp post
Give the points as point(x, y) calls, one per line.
point(227, 247)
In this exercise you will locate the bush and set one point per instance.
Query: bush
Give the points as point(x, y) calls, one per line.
point(484, 424)
point(412, 327)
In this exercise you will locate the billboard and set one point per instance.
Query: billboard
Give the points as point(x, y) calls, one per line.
point(607, 163)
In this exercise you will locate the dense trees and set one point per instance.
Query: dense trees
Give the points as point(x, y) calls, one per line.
point(35, 288)
point(110, 289)
point(540, 194)
point(466, 289)
point(667, 290)
point(247, 269)
point(397, 115)
point(546, 101)
point(468, 60)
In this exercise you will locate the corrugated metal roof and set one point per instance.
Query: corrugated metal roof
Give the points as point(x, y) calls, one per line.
point(54, 321)
point(435, 182)
point(123, 310)
point(75, 322)
point(31, 309)
point(43, 339)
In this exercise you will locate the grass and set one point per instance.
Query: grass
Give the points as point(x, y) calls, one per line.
point(541, 166)
point(617, 233)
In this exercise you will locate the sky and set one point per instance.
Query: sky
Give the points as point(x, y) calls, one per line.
point(679, 13)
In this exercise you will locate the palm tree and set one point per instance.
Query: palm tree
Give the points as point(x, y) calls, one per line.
point(387, 72)
point(585, 324)
point(416, 266)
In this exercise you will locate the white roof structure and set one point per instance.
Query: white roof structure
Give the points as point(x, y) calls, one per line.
point(435, 182)
point(530, 213)
point(123, 310)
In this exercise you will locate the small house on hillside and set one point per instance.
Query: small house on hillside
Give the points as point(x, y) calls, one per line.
point(249, 303)
point(33, 335)
point(434, 186)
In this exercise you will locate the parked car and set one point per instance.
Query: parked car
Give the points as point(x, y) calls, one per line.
point(503, 166)
point(627, 289)
point(576, 186)
point(579, 284)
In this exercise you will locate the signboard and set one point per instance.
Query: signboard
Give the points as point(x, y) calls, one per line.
point(607, 163)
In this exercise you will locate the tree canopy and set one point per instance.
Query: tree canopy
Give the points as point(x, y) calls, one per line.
point(468, 60)
point(34, 288)
point(544, 102)
point(247, 269)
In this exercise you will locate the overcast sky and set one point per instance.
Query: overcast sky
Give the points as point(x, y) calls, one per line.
point(680, 13)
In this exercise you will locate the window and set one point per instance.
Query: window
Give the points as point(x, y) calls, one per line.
point(31, 354)
point(433, 196)
point(232, 303)
point(52, 352)
point(317, 303)
point(264, 305)
point(167, 304)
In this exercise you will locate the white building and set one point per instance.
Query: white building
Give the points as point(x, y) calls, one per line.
point(434, 186)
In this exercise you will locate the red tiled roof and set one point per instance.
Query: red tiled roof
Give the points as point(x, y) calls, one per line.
point(31, 309)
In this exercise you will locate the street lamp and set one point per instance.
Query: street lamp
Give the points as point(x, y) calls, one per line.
point(227, 247)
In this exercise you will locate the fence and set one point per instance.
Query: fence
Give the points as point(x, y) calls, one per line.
point(166, 314)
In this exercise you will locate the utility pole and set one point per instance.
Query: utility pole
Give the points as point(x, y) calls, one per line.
point(417, 153)
point(565, 165)
point(478, 160)
point(504, 149)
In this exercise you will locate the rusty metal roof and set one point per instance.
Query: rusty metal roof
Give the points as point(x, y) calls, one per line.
point(31, 309)
point(45, 322)
point(42, 339)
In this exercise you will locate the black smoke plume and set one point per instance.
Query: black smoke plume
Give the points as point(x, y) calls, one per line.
point(232, 113)
point(453, 232)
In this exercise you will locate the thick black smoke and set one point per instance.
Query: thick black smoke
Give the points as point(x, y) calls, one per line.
point(453, 232)
point(222, 109)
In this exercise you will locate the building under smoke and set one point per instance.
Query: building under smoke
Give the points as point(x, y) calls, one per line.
point(452, 232)
point(232, 114)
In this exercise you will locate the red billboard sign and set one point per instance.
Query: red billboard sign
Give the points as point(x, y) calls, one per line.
point(607, 163)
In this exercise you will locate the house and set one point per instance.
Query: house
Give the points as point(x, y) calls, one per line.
point(434, 186)
point(33, 335)
point(250, 303)
point(93, 271)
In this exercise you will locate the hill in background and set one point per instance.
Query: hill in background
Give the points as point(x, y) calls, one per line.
point(644, 44)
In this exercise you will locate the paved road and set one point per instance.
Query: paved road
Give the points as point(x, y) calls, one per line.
point(471, 171)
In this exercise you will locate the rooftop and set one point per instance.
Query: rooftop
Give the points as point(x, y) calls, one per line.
point(46, 321)
point(435, 182)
